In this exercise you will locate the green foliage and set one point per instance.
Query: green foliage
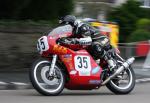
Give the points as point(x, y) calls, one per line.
point(34, 9)
point(142, 31)
point(143, 24)
point(139, 35)
point(127, 15)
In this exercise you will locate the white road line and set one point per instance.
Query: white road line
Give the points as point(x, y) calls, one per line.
point(19, 83)
point(3, 83)
point(142, 80)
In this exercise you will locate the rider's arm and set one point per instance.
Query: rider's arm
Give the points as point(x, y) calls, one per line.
point(80, 41)
point(82, 29)
point(85, 41)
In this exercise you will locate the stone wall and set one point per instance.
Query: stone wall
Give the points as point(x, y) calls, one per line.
point(18, 47)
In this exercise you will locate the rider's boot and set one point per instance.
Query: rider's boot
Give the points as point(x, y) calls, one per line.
point(111, 62)
point(103, 52)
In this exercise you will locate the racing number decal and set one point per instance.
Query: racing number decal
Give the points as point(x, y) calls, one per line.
point(83, 65)
point(42, 44)
point(82, 62)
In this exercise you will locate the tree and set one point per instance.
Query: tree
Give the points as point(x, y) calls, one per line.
point(127, 15)
point(11, 9)
point(34, 9)
point(143, 24)
point(142, 32)
point(47, 9)
point(139, 35)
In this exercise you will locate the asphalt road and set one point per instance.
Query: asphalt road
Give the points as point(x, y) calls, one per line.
point(141, 94)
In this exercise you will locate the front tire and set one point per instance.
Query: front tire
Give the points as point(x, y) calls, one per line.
point(42, 83)
point(116, 88)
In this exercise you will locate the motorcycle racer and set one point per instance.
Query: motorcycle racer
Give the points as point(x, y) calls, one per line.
point(85, 34)
point(74, 55)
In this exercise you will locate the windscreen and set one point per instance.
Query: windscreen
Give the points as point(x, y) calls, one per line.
point(60, 31)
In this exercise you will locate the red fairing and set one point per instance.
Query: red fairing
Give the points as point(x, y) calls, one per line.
point(84, 72)
point(53, 47)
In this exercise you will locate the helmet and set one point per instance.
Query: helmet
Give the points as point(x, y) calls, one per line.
point(68, 19)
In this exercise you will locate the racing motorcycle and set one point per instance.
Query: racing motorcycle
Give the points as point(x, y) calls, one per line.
point(75, 68)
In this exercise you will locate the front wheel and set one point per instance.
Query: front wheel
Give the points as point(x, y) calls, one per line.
point(124, 83)
point(42, 82)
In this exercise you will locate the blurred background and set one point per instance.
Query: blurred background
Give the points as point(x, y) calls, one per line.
point(22, 22)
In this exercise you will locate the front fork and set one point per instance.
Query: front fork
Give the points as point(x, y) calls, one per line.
point(52, 69)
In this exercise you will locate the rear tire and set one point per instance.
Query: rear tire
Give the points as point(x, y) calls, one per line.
point(112, 86)
point(44, 85)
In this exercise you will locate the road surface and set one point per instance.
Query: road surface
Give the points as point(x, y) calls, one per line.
point(141, 94)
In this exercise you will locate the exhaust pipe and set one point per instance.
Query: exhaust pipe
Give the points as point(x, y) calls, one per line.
point(125, 65)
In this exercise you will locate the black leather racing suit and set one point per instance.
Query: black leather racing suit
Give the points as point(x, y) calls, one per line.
point(84, 34)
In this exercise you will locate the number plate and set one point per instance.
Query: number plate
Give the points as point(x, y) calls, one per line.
point(83, 65)
point(42, 44)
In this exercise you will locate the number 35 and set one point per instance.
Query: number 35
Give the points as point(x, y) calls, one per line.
point(82, 63)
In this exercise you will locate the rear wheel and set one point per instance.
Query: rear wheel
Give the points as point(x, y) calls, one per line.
point(42, 82)
point(124, 83)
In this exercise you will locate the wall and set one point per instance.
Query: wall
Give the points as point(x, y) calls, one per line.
point(18, 47)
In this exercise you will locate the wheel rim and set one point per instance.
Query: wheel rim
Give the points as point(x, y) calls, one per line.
point(41, 79)
point(125, 82)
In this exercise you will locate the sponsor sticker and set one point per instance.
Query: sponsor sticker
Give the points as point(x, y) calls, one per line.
point(73, 72)
point(94, 81)
point(67, 56)
point(95, 70)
